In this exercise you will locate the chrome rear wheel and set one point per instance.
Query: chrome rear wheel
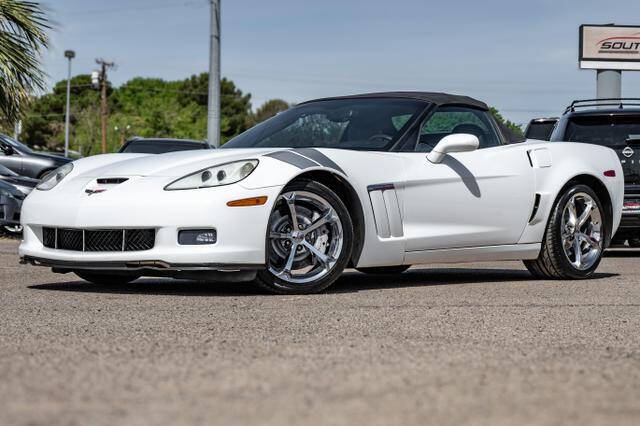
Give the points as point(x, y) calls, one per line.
point(576, 235)
point(582, 231)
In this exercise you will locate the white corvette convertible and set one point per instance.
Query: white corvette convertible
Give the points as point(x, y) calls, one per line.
point(378, 182)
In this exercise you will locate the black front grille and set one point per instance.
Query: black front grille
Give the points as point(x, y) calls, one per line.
point(139, 239)
point(69, 239)
point(103, 240)
point(99, 239)
point(49, 237)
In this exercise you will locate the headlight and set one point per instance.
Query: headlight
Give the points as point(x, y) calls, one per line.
point(55, 177)
point(224, 174)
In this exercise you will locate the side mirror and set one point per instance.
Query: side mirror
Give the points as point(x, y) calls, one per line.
point(7, 149)
point(459, 142)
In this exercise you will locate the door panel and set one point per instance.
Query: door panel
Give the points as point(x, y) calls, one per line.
point(12, 162)
point(471, 199)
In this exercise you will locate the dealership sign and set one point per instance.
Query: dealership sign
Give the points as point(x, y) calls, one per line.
point(613, 47)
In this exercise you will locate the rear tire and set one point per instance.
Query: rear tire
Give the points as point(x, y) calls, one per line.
point(384, 270)
point(306, 254)
point(106, 279)
point(574, 238)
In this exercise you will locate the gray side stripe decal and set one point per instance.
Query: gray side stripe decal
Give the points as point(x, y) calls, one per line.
point(293, 159)
point(319, 157)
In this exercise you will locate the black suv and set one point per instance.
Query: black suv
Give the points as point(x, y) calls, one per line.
point(614, 123)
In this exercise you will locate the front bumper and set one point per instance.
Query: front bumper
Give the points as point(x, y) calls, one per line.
point(241, 231)
point(10, 210)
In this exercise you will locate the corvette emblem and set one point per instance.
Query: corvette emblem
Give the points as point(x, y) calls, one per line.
point(627, 152)
point(93, 191)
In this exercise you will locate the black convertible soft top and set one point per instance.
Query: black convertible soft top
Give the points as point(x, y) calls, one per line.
point(432, 97)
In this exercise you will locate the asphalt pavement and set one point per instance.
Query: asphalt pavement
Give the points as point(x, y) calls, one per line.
point(479, 344)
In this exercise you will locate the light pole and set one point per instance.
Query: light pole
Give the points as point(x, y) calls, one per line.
point(213, 114)
point(70, 54)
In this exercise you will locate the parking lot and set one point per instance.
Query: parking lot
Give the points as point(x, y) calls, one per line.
point(472, 344)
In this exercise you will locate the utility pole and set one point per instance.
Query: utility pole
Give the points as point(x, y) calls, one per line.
point(103, 98)
point(69, 54)
point(213, 111)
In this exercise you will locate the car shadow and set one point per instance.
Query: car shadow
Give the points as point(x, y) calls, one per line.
point(622, 252)
point(349, 282)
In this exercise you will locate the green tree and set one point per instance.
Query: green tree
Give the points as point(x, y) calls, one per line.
point(269, 109)
point(23, 26)
point(147, 107)
point(508, 124)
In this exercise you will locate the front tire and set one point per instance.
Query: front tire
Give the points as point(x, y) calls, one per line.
point(106, 279)
point(574, 238)
point(309, 240)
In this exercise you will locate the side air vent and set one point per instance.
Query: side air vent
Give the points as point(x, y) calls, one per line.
point(111, 181)
point(536, 206)
point(386, 210)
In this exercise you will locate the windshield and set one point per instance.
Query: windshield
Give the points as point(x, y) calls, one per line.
point(364, 124)
point(160, 146)
point(604, 129)
point(17, 145)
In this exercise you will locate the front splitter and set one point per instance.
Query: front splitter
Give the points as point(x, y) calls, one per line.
point(154, 268)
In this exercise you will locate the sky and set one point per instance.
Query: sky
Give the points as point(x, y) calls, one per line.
point(520, 57)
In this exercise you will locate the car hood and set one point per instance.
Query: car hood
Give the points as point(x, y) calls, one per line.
point(171, 164)
point(57, 159)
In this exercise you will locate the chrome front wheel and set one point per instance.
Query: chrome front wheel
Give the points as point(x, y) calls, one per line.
point(309, 239)
point(305, 237)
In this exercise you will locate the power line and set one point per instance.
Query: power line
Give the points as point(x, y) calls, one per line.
point(154, 6)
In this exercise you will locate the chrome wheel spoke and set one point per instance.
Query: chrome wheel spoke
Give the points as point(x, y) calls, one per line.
point(323, 258)
point(292, 255)
point(577, 250)
point(324, 219)
point(291, 199)
point(279, 235)
point(573, 215)
point(586, 214)
point(592, 242)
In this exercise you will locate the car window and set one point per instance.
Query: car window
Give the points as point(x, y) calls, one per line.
point(607, 130)
point(15, 144)
point(451, 120)
point(540, 130)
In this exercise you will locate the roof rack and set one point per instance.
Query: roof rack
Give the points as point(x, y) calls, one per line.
point(618, 102)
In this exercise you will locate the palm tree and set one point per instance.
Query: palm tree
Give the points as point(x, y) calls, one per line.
point(23, 26)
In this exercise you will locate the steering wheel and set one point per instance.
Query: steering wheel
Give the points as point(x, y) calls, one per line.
point(381, 136)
